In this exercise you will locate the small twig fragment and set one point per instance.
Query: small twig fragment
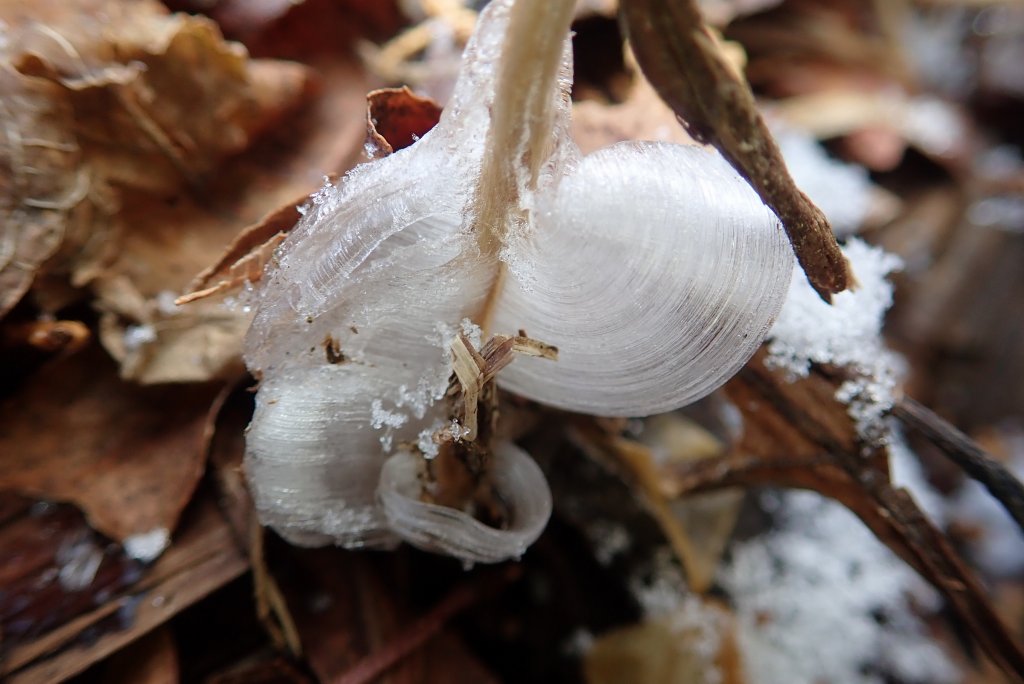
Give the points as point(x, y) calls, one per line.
point(65, 337)
point(474, 369)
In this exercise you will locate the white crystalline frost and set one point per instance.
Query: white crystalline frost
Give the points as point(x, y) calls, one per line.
point(820, 599)
point(654, 269)
point(147, 546)
point(137, 335)
point(78, 559)
point(846, 334)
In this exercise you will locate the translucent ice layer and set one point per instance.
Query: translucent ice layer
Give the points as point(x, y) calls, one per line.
point(654, 268)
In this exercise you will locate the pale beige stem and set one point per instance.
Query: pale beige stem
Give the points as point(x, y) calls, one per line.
point(522, 114)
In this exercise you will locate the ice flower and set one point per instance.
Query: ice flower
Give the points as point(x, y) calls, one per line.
point(653, 268)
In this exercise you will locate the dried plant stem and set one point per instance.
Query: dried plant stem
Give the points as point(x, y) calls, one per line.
point(966, 453)
point(522, 114)
point(681, 58)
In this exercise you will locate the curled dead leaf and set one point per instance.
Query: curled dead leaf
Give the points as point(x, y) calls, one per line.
point(158, 99)
point(398, 117)
point(48, 193)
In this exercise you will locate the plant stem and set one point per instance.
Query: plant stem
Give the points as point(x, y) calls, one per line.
point(522, 114)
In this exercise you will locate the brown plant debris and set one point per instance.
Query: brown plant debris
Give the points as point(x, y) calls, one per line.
point(245, 258)
point(397, 117)
point(459, 474)
point(129, 457)
point(796, 434)
point(684, 62)
point(119, 608)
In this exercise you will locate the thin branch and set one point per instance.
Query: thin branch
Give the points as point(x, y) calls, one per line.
point(415, 635)
point(680, 56)
point(965, 452)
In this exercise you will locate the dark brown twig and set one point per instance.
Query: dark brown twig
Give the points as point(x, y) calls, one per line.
point(370, 668)
point(965, 452)
point(681, 59)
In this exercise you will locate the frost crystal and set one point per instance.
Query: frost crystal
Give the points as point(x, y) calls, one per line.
point(137, 335)
point(79, 559)
point(608, 539)
point(821, 600)
point(147, 546)
point(845, 334)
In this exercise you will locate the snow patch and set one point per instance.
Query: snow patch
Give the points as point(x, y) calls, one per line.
point(147, 546)
point(845, 333)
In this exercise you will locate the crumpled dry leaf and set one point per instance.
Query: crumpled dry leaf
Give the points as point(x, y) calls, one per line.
point(158, 99)
point(104, 94)
point(259, 189)
point(398, 117)
point(203, 340)
point(47, 192)
point(129, 457)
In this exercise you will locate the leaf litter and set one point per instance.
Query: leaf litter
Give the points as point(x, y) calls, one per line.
point(121, 212)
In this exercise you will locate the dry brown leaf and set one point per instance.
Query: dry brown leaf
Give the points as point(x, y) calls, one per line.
point(105, 93)
point(108, 617)
point(129, 457)
point(301, 29)
point(47, 191)
point(158, 99)
point(398, 117)
point(669, 650)
point(54, 568)
point(174, 238)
